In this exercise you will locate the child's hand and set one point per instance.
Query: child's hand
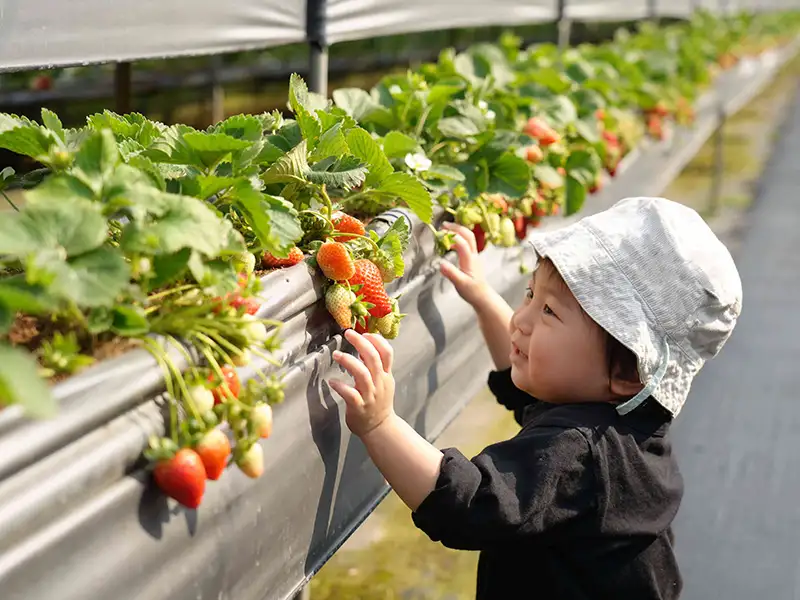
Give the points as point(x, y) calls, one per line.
point(371, 402)
point(468, 276)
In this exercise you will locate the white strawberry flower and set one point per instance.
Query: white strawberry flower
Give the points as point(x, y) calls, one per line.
point(483, 105)
point(490, 115)
point(395, 89)
point(418, 162)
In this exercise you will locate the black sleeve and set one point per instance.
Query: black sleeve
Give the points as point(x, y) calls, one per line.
point(536, 485)
point(508, 394)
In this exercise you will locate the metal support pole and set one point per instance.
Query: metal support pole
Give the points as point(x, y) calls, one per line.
point(122, 87)
point(304, 594)
point(718, 174)
point(564, 25)
point(652, 9)
point(217, 90)
point(317, 47)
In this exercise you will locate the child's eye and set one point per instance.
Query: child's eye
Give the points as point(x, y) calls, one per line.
point(529, 293)
point(548, 311)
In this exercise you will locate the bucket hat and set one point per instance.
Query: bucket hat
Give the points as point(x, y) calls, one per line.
point(653, 275)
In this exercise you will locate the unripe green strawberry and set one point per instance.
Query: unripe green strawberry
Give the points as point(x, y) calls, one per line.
point(244, 262)
point(384, 324)
point(508, 233)
point(468, 216)
point(386, 267)
point(394, 331)
point(492, 223)
point(339, 301)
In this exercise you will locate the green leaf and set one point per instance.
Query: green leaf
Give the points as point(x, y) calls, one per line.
point(355, 102)
point(74, 226)
point(458, 127)
point(17, 295)
point(60, 189)
point(551, 78)
point(548, 176)
point(509, 175)
point(170, 267)
point(575, 196)
point(298, 94)
point(331, 143)
point(408, 189)
point(129, 321)
point(21, 136)
point(132, 126)
point(291, 167)
point(588, 131)
point(178, 222)
point(445, 173)
point(97, 158)
point(217, 277)
point(369, 151)
point(397, 145)
point(395, 242)
point(213, 148)
point(20, 384)
point(241, 127)
point(560, 111)
point(205, 186)
point(53, 123)
point(583, 166)
point(344, 173)
point(310, 127)
point(274, 220)
point(92, 279)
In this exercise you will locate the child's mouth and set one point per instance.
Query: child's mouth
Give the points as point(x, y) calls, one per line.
point(515, 352)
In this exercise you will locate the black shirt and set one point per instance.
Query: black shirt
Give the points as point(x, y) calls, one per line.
point(578, 505)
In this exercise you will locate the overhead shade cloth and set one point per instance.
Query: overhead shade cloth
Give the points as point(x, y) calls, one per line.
point(359, 19)
point(49, 33)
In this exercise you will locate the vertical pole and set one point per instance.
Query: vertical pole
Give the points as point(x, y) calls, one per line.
point(122, 87)
point(652, 9)
point(718, 173)
point(217, 90)
point(317, 47)
point(564, 25)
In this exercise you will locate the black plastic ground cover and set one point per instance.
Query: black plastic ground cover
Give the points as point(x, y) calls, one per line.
point(79, 519)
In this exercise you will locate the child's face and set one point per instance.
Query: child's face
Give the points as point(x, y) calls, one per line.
point(558, 353)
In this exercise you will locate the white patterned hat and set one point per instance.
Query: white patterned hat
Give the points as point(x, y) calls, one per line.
point(652, 274)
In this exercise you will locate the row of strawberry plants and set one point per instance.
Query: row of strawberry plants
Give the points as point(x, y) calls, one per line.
point(138, 233)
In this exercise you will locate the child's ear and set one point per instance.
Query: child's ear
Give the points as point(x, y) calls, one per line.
point(624, 385)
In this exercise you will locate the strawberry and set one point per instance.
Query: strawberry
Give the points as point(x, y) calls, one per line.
point(202, 398)
point(660, 109)
point(600, 114)
point(335, 261)
point(534, 154)
point(339, 301)
point(508, 235)
point(344, 223)
point(597, 185)
point(254, 330)
point(41, 83)
point(261, 416)
point(520, 227)
point(369, 277)
point(249, 303)
point(480, 237)
point(230, 385)
point(271, 261)
point(468, 216)
point(214, 450)
point(499, 201)
point(365, 328)
point(655, 127)
point(182, 477)
point(244, 262)
point(611, 138)
point(252, 462)
point(385, 266)
point(539, 129)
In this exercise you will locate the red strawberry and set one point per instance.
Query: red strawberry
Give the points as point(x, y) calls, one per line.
point(274, 262)
point(41, 83)
point(539, 129)
point(182, 477)
point(499, 201)
point(344, 223)
point(252, 462)
point(214, 450)
point(480, 237)
point(600, 114)
point(520, 227)
point(230, 386)
point(335, 261)
point(611, 138)
point(534, 154)
point(261, 416)
point(362, 329)
point(368, 275)
point(250, 304)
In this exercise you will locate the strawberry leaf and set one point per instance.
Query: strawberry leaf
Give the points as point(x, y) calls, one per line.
point(509, 175)
point(343, 173)
point(241, 127)
point(369, 151)
point(72, 226)
point(408, 189)
point(291, 167)
point(21, 136)
point(20, 384)
point(397, 145)
point(331, 143)
point(274, 220)
point(53, 123)
point(575, 196)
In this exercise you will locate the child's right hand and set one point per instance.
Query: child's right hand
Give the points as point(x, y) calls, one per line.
point(468, 277)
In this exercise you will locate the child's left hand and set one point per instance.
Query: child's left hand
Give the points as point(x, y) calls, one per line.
point(371, 401)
